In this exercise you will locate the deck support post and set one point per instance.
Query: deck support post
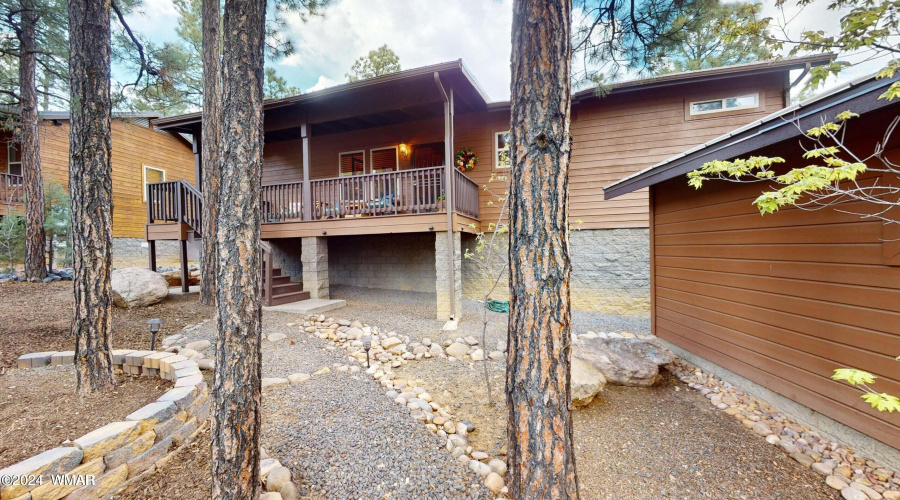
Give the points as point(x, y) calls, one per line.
point(314, 259)
point(306, 203)
point(152, 251)
point(184, 267)
point(449, 305)
point(451, 250)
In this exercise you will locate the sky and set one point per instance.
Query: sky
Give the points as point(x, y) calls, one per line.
point(423, 32)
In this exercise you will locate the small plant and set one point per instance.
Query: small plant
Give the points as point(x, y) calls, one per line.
point(491, 256)
point(57, 224)
point(12, 240)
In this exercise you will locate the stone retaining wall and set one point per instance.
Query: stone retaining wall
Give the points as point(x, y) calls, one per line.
point(106, 458)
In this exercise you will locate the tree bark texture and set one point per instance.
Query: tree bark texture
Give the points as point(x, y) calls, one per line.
point(90, 187)
point(35, 263)
point(237, 386)
point(212, 73)
point(539, 429)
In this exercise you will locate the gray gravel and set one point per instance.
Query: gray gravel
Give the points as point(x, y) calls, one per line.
point(338, 432)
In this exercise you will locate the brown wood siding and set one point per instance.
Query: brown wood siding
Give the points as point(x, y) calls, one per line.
point(133, 146)
point(613, 137)
point(283, 162)
point(781, 299)
point(618, 135)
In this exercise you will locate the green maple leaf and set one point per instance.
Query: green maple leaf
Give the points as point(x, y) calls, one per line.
point(853, 376)
point(882, 402)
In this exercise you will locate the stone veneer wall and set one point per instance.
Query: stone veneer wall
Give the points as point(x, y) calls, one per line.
point(390, 261)
point(117, 453)
point(610, 271)
point(135, 252)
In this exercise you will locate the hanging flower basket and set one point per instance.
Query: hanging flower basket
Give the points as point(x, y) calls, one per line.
point(466, 160)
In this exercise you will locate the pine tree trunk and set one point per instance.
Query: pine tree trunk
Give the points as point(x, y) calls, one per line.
point(35, 264)
point(539, 430)
point(90, 187)
point(237, 389)
point(209, 150)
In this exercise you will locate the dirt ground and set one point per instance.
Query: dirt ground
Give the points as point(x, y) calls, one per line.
point(187, 475)
point(665, 441)
point(40, 410)
point(36, 317)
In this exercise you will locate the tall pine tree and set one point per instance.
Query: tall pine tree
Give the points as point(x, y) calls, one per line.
point(237, 389)
point(90, 189)
point(541, 451)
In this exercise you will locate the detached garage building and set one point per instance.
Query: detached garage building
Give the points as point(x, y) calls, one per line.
point(776, 303)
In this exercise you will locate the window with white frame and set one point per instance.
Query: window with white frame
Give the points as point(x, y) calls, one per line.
point(13, 159)
point(152, 175)
point(501, 150)
point(747, 101)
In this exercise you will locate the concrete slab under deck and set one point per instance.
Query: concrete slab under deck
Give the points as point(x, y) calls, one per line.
point(309, 306)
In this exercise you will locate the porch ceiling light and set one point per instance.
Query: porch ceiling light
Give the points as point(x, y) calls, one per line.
point(404, 150)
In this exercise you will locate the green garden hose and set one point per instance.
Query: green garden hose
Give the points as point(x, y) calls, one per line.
point(500, 306)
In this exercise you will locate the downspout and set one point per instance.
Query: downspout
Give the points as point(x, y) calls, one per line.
point(448, 187)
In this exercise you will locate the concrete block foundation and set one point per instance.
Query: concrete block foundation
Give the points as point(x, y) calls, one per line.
point(314, 257)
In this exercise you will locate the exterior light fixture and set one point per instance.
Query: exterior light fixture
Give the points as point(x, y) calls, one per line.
point(155, 325)
point(404, 150)
point(367, 344)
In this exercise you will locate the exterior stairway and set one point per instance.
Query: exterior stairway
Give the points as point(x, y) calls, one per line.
point(277, 288)
point(283, 290)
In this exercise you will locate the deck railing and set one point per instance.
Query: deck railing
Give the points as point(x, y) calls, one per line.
point(415, 191)
point(465, 195)
point(174, 201)
point(11, 188)
point(390, 193)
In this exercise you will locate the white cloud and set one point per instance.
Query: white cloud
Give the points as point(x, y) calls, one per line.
point(322, 83)
point(155, 19)
point(421, 33)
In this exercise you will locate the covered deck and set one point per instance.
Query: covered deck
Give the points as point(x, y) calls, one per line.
point(368, 158)
point(12, 188)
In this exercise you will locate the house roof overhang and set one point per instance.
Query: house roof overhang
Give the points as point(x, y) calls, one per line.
point(408, 94)
point(860, 96)
point(746, 70)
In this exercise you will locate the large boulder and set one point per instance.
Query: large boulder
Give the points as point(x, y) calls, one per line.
point(173, 278)
point(587, 381)
point(138, 287)
point(631, 362)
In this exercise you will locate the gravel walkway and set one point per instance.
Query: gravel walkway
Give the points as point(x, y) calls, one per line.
point(339, 434)
point(633, 443)
point(343, 438)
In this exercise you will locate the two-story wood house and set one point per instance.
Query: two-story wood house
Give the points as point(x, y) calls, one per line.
point(360, 187)
point(141, 155)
